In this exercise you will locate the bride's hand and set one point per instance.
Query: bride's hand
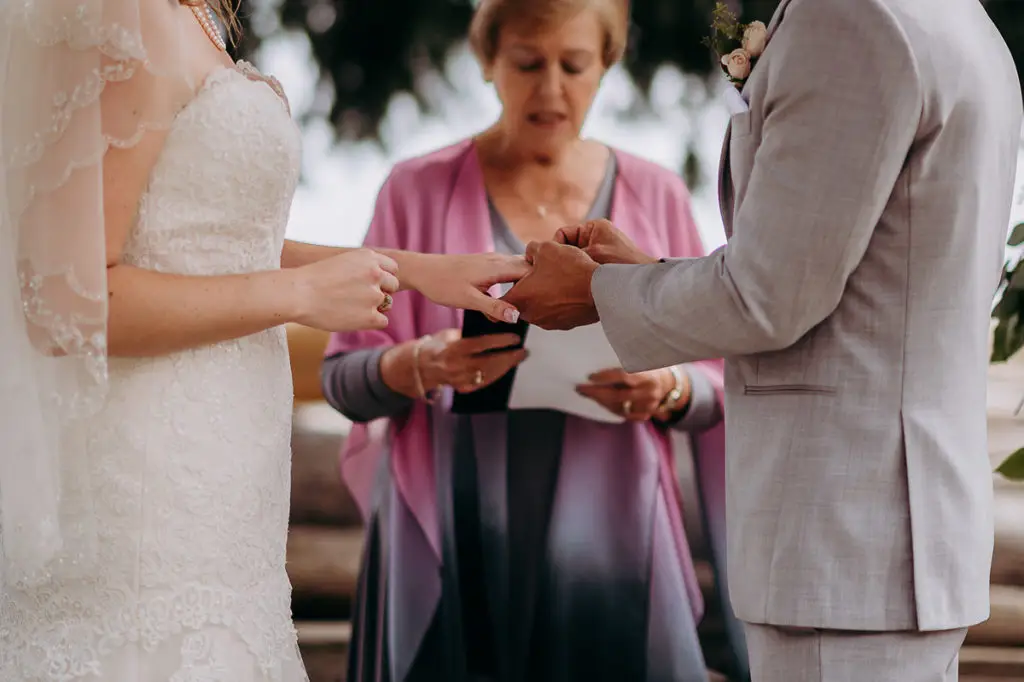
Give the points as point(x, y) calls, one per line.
point(462, 280)
point(344, 292)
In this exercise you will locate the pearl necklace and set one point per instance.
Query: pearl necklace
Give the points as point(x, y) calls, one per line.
point(208, 20)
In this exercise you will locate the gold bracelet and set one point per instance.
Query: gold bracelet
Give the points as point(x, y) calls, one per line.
point(671, 401)
point(428, 397)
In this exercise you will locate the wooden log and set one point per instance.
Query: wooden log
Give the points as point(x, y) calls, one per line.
point(1002, 663)
point(1005, 424)
point(325, 644)
point(1008, 556)
point(318, 494)
point(324, 647)
point(324, 561)
point(306, 350)
point(325, 664)
point(324, 633)
point(1005, 627)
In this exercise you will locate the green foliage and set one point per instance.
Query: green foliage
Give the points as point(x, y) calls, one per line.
point(1008, 311)
point(1013, 467)
point(726, 31)
point(1016, 235)
point(1009, 333)
point(369, 50)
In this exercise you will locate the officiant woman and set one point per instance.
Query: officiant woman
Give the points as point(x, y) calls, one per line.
point(532, 544)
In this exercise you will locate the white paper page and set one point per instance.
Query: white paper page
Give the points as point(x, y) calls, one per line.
point(560, 361)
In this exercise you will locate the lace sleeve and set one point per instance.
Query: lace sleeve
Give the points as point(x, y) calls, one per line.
point(76, 77)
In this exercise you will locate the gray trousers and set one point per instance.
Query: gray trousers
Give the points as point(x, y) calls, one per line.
point(811, 655)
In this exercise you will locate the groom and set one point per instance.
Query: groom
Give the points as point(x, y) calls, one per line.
point(866, 195)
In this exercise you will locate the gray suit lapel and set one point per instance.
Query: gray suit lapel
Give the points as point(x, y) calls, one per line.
point(777, 18)
point(725, 189)
point(725, 196)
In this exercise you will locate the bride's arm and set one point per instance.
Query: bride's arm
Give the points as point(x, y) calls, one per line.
point(154, 313)
point(453, 280)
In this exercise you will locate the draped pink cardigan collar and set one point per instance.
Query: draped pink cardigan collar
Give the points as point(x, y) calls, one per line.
point(438, 204)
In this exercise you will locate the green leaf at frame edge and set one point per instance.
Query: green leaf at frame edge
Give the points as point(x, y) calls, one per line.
point(1008, 337)
point(1015, 335)
point(999, 344)
point(1013, 467)
point(1011, 302)
point(1016, 280)
point(1016, 235)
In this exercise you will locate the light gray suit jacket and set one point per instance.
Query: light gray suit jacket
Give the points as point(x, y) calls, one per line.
point(866, 196)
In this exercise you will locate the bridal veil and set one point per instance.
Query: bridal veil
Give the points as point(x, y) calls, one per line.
point(77, 78)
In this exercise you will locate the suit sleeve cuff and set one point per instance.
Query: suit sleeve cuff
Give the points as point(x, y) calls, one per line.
point(618, 292)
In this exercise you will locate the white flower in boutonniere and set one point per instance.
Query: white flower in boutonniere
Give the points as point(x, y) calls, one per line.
point(737, 64)
point(738, 45)
point(755, 36)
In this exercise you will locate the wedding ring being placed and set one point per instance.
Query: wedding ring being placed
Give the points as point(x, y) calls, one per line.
point(627, 407)
point(386, 305)
point(478, 378)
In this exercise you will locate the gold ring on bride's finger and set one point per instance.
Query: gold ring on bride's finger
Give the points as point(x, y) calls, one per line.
point(627, 407)
point(386, 305)
point(478, 378)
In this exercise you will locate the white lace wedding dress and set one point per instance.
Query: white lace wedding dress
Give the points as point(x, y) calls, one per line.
point(191, 585)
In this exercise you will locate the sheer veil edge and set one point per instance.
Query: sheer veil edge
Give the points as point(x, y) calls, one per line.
point(77, 78)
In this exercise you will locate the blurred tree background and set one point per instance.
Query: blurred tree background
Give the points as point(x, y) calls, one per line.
point(369, 50)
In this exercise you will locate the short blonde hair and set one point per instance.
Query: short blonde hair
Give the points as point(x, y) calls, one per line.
point(492, 15)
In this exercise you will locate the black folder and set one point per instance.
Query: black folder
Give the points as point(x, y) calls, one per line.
point(492, 398)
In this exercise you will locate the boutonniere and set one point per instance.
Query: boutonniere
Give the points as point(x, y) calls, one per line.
point(737, 45)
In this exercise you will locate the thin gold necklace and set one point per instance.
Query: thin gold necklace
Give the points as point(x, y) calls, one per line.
point(541, 208)
point(208, 20)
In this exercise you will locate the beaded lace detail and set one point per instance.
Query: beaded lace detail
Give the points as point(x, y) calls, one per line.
point(190, 454)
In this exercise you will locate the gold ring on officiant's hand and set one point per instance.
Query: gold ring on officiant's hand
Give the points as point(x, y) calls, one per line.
point(627, 407)
point(386, 305)
point(478, 378)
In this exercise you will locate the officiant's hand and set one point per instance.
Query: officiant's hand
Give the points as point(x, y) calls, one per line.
point(467, 365)
point(604, 243)
point(555, 294)
point(637, 397)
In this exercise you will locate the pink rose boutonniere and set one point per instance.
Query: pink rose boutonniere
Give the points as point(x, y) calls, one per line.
point(737, 45)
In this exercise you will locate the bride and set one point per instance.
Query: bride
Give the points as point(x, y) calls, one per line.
point(145, 396)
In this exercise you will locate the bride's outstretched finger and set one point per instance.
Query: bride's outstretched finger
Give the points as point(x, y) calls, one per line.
point(496, 309)
point(486, 270)
point(460, 281)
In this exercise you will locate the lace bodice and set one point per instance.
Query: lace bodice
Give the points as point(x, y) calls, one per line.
point(219, 198)
point(192, 450)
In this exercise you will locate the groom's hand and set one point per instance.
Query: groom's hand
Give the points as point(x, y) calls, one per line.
point(604, 243)
point(555, 294)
